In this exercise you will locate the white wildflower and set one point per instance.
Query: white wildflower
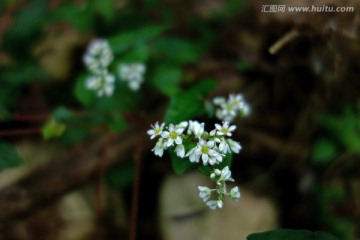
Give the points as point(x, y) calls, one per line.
point(156, 130)
point(133, 74)
point(98, 56)
point(103, 84)
point(204, 193)
point(180, 150)
point(196, 128)
point(173, 135)
point(159, 147)
point(213, 204)
point(208, 153)
point(234, 146)
point(193, 155)
point(234, 193)
point(225, 129)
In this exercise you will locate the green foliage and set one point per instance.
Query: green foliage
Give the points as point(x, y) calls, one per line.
point(124, 41)
point(52, 129)
point(27, 23)
point(181, 165)
point(287, 234)
point(166, 79)
point(9, 157)
point(188, 104)
point(344, 127)
point(177, 51)
point(323, 151)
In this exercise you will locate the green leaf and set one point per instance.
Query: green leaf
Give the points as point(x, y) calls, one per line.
point(84, 95)
point(287, 234)
point(140, 53)
point(117, 124)
point(180, 165)
point(52, 129)
point(323, 152)
point(166, 79)
point(104, 8)
point(8, 156)
point(178, 51)
point(71, 12)
point(28, 21)
point(188, 104)
point(126, 40)
point(344, 127)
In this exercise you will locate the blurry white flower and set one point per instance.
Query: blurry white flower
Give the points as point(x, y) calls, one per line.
point(193, 155)
point(234, 146)
point(133, 74)
point(229, 109)
point(98, 56)
point(234, 193)
point(213, 204)
point(103, 84)
point(180, 150)
point(196, 128)
point(159, 147)
point(204, 193)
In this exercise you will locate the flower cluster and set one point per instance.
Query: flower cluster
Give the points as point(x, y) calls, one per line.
point(189, 139)
point(230, 108)
point(220, 177)
point(97, 59)
point(133, 74)
point(210, 148)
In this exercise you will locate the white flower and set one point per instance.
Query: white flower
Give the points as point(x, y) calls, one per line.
point(156, 131)
point(183, 124)
point(196, 128)
point(98, 56)
point(173, 135)
point(234, 146)
point(208, 153)
point(236, 100)
point(103, 84)
point(219, 100)
point(224, 146)
point(214, 204)
point(234, 193)
point(180, 150)
point(230, 108)
point(133, 73)
point(204, 193)
point(159, 147)
point(225, 129)
point(193, 155)
point(225, 175)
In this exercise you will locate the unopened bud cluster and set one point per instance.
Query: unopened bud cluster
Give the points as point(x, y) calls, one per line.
point(228, 109)
point(97, 59)
point(206, 148)
point(220, 177)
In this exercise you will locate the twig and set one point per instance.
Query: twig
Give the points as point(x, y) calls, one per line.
point(288, 37)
